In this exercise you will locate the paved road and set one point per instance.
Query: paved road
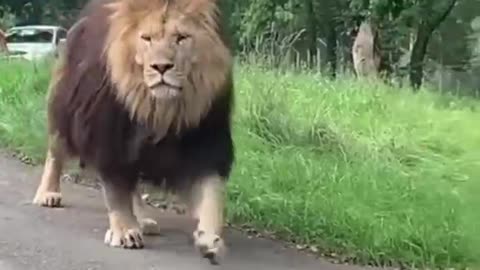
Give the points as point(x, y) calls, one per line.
point(71, 238)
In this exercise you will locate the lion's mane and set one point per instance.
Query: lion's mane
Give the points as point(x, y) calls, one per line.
point(100, 110)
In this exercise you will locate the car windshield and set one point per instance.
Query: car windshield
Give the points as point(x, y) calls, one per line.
point(30, 35)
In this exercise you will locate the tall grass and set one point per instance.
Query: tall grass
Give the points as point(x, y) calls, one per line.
point(369, 171)
point(372, 173)
point(22, 106)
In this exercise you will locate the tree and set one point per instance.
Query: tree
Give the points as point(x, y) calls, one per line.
point(7, 18)
point(3, 42)
point(331, 13)
point(366, 58)
point(311, 30)
point(430, 18)
point(292, 31)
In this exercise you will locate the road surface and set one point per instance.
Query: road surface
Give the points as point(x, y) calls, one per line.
point(71, 238)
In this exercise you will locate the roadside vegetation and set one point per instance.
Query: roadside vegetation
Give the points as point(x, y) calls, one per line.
point(358, 170)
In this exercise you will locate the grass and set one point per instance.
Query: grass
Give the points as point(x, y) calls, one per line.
point(22, 102)
point(375, 174)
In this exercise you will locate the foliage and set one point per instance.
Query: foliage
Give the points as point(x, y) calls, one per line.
point(475, 43)
point(7, 18)
point(270, 26)
point(319, 33)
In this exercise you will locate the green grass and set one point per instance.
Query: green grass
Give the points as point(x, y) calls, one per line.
point(22, 107)
point(375, 174)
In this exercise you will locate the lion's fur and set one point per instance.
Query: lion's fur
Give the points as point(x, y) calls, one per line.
point(125, 18)
point(100, 110)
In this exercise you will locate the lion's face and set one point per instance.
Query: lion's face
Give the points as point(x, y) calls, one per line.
point(170, 52)
point(165, 53)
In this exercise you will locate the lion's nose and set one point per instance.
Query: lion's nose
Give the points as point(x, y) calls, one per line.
point(162, 67)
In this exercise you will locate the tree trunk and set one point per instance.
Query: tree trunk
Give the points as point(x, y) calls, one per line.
point(311, 26)
point(424, 32)
point(418, 55)
point(365, 52)
point(332, 48)
point(3, 42)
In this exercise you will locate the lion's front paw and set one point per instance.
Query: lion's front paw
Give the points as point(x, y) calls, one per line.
point(210, 246)
point(126, 238)
point(149, 226)
point(48, 199)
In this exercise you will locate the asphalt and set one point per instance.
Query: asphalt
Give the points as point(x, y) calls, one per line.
point(71, 238)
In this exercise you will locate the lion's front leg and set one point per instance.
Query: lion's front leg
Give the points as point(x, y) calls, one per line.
point(206, 203)
point(124, 228)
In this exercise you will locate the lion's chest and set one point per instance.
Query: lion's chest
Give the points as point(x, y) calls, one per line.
point(170, 159)
point(160, 159)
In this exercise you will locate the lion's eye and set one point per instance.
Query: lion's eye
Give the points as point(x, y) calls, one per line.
point(181, 38)
point(146, 37)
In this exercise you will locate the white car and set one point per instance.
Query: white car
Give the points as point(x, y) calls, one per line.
point(34, 41)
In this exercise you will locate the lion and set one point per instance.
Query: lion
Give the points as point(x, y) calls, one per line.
point(143, 91)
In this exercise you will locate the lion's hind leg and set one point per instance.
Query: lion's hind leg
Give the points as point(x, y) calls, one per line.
point(148, 225)
point(48, 192)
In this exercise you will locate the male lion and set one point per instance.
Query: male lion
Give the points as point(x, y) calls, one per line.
point(144, 89)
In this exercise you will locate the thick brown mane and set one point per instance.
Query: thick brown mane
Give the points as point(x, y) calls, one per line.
point(204, 84)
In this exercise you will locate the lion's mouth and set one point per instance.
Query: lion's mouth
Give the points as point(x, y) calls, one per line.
point(164, 90)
